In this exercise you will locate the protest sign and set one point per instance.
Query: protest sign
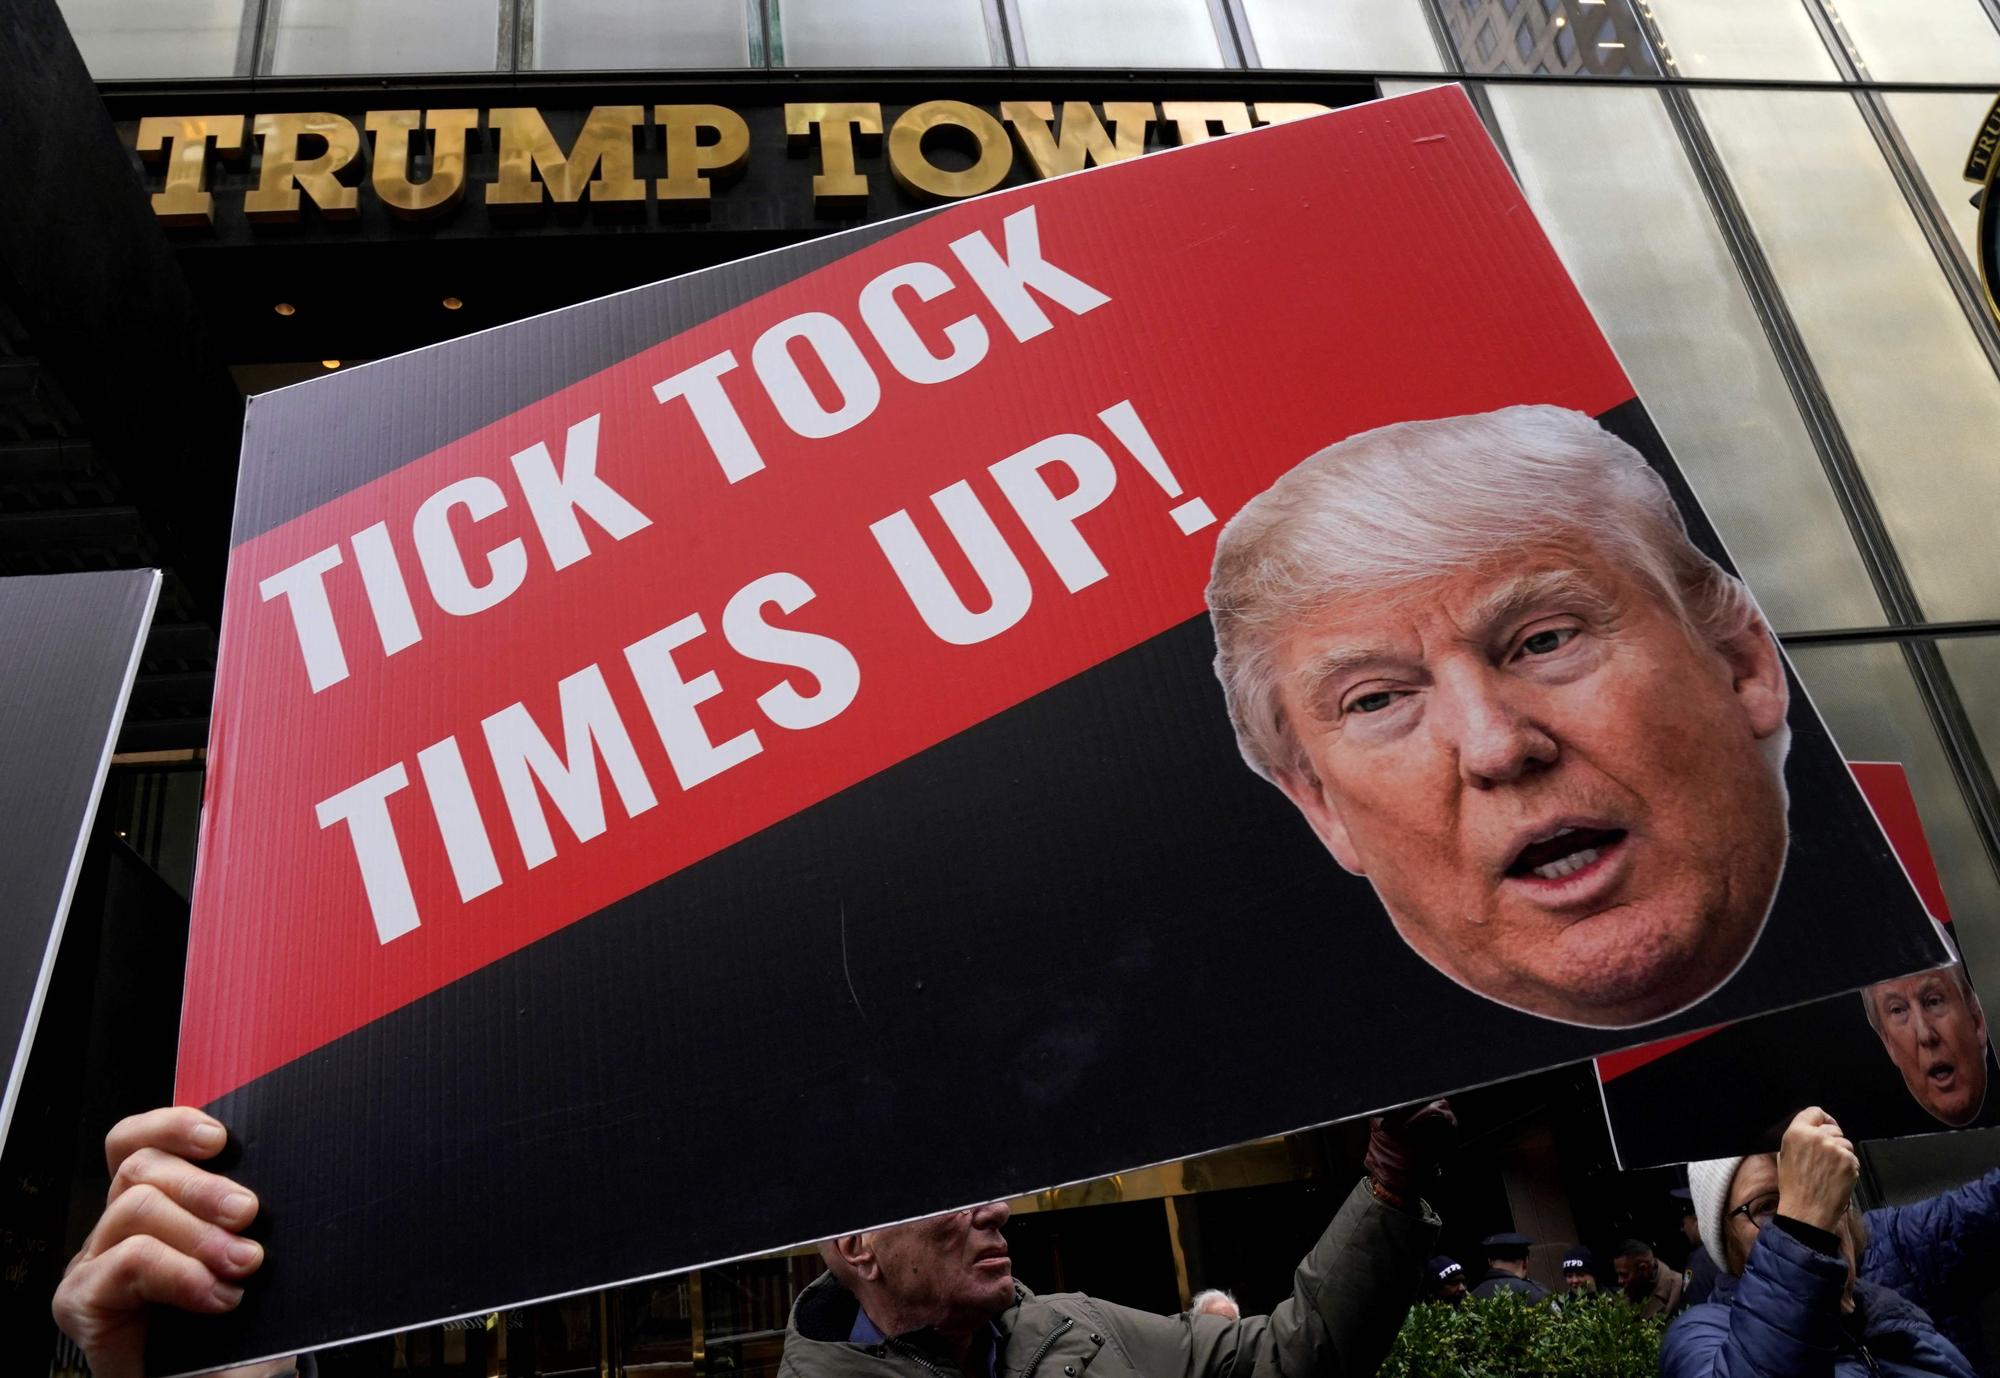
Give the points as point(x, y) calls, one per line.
point(69, 648)
point(1908, 1056)
point(742, 760)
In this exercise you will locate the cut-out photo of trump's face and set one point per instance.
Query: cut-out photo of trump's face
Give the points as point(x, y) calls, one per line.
point(1933, 1029)
point(1483, 659)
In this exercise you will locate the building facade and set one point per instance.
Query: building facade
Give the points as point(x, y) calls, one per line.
point(1763, 201)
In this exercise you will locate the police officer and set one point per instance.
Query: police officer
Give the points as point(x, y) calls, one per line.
point(1698, 1278)
point(1507, 1268)
point(1444, 1280)
point(1579, 1269)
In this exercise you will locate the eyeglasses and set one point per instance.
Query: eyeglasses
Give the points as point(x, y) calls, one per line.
point(1758, 1210)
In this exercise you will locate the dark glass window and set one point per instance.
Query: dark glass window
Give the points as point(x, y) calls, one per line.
point(1588, 38)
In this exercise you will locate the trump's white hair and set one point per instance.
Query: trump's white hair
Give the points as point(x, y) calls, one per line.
point(1959, 979)
point(1392, 507)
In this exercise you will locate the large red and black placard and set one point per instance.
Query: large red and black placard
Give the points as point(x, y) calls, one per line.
point(740, 760)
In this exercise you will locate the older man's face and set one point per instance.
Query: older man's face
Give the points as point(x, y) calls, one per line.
point(1557, 791)
point(1937, 1039)
point(951, 1271)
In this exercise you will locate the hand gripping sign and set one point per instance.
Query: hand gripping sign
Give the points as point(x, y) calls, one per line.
point(744, 759)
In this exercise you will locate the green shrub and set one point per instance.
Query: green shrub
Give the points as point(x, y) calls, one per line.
point(1506, 1336)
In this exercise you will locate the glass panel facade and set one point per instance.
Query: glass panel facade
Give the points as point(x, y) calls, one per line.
point(338, 37)
point(603, 35)
point(156, 38)
point(1870, 704)
point(1938, 126)
point(1769, 39)
point(1343, 35)
point(880, 33)
point(1935, 40)
point(1890, 40)
point(1118, 33)
point(1974, 663)
point(1598, 38)
point(1685, 330)
point(1914, 393)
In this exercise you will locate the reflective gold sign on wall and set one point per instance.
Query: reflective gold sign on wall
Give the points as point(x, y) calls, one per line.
point(1980, 165)
point(416, 163)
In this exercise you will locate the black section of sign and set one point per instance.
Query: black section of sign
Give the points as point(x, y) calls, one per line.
point(1735, 1091)
point(353, 427)
point(104, 1049)
point(38, 1163)
point(855, 1017)
point(1989, 244)
point(66, 655)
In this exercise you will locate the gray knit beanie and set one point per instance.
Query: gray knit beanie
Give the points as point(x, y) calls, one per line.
point(1708, 1185)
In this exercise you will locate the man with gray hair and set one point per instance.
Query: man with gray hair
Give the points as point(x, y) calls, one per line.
point(936, 1298)
point(1486, 663)
point(1215, 1302)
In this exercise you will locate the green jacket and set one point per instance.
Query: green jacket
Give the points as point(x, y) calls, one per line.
point(1348, 1299)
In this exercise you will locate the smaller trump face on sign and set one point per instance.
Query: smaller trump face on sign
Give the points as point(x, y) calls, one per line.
point(1483, 659)
point(1934, 1031)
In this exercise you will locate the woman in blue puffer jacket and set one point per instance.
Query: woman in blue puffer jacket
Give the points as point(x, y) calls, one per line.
point(1782, 1224)
point(1942, 1253)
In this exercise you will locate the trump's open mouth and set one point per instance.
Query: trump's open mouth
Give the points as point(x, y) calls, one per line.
point(1564, 853)
point(1942, 1073)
